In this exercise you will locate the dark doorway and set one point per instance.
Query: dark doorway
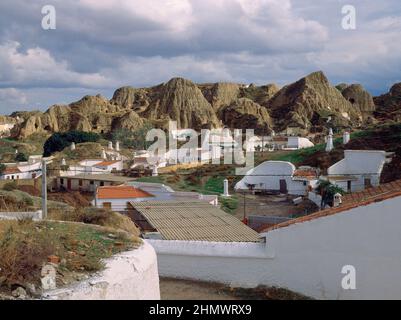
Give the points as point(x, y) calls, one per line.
point(283, 186)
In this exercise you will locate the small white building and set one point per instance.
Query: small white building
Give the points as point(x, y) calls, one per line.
point(88, 182)
point(278, 176)
point(358, 170)
point(93, 167)
point(109, 166)
point(22, 171)
point(118, 198)
point(295, 143)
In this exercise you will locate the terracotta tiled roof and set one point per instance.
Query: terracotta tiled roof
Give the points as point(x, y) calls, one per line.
point(11, 170)
point(305, 173)
point(121, 192)
point(106, 163)
point(350, 201)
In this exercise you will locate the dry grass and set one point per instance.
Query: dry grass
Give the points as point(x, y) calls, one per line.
point(101, 217)
point(26, 245)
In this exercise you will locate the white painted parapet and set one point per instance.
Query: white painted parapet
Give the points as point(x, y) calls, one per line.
point(130, 275)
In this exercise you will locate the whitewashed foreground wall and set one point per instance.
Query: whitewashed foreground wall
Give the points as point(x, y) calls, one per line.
point(130, 275)
point(306, 257)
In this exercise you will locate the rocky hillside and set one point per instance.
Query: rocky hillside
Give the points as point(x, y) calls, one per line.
point(388, 106)
point(309, 103)
point(306, 105)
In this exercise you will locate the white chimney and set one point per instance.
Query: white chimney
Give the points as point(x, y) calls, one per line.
point(330, 131)
point(337, 200)
point(73, 146)
point(155, 173)
point(104, 156)
point(63, 162)
point(117, 145)
point(110, 146)
point(346, 137)
point(329, 145)
point(226, 194)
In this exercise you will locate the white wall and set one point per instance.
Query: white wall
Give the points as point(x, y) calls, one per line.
point(361, 164)
point(268, 174)
point(130, 275)
point(299, 143)
point(306, 257)
point(118, 204)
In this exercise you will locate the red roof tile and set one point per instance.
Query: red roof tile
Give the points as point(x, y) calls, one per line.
point(11, 170)
point(350, 201)
point(106, 163)
point(121, 192)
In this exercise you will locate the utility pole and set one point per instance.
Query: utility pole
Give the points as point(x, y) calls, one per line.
point(244, 207)
point(44, 190)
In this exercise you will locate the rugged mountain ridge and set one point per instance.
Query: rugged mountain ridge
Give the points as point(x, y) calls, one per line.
point(307, 104)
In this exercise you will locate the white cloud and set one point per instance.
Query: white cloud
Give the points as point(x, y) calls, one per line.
point(175, 15)
point(37, 67)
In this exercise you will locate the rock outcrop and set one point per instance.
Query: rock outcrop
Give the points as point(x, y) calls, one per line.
point(131, 98)
point(182, 101)
point(259, 94)
point(220, 94)
point(129, 121)
point(310, 102)
point(388, 106)
point(246, 114)
point(359, 98)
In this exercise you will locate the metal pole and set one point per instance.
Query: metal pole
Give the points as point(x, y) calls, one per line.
point(44, 190)
point(244, 207)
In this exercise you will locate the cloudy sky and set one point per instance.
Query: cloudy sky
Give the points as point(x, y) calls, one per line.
point(100, 45)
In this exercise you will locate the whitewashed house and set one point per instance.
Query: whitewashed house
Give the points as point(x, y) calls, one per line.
point(22, 171)
point(278, 176)
point(118, 198)
point(295, 143)
point(93, 166)
point(109, 166)
point(358, 170)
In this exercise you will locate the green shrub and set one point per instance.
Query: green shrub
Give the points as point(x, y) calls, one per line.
point(60, 141)
point(10, 186)
point(21, 157)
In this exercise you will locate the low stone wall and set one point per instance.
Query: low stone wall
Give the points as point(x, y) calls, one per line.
point(130, 275)
point(35, 215)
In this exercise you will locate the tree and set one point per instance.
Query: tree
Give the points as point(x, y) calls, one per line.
point(2, 168)
point(21, 157)
point(60, 141)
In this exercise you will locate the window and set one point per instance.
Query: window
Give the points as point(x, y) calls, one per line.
point(62, 181)
point(80, 183)
point(101, 183)
point(107, 205)
point(349, 185)
point(92, 182)
point(368, 183)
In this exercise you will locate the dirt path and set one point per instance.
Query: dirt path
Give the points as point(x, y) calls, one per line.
point(173, 289)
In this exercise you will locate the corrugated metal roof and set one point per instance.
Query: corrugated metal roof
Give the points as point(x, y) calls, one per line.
point(194, 220)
